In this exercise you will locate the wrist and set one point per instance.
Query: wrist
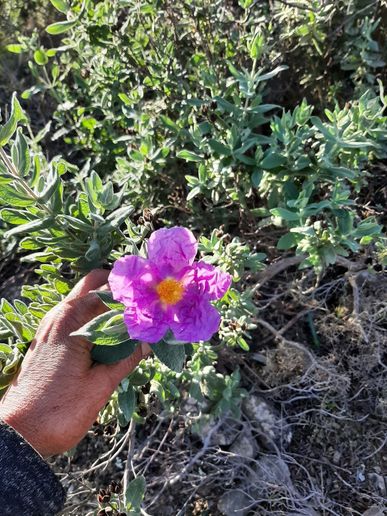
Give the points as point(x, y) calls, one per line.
point(23, 425)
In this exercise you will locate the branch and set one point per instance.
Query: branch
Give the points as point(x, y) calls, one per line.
point(276, 268)
point(131, 434)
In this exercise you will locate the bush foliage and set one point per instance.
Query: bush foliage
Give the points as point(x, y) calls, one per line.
point(196, 113)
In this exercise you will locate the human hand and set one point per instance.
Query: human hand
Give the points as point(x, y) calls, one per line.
point(59, 392)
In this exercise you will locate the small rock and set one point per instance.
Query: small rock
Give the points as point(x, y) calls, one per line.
point(378, 483)
point(245, 445)
point(271, 469)
point(336, 457)
point(360, 476)
point(234, 503)
point(266, 421)
point(191, 407)
point(258, 357)
point(374, 511)
point(259, 411)
point(224, 435)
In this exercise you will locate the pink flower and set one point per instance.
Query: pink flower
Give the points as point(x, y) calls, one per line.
point(168, 291)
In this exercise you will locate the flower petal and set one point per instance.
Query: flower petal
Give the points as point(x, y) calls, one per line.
point(194, 319)
point(146, 322)
point(172, 249)
point(132, 277)
point(209, 280)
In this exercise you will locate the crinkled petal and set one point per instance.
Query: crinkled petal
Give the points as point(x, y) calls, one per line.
point(146, 322)
point(194, 319)
point(172, 249)
point(133, 277)
point(207, 280)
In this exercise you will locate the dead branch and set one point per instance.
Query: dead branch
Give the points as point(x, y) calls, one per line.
point(276, 268)
point(128, 465)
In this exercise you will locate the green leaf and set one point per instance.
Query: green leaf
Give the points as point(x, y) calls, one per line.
point(125, 99)
point(367, 227)
point(17, 115)
point(173, 356)
point(193, 193)
point(61, 27)
point(257, 46)
point(243, 344)
point(60, 5)
point(75, 223)
point(345, 221)
point(113, 354)
point(9, 195)
point(31, 227)
point(107, 299)
point(366, 240)
point(127, 402)
point(20, 154)
point(104, 330)
point(287, 241)
point(273, 73)
point(15, 48)
point(139, 378)
point(13, 216)
point(170, 339)
point(170, 124)
point(93, 254)
point(4, 348)
point(24, 331)
point(328, 254)
point(62, 286)
point(272, 160)
point(40, 57)
point(135, 492)
point(118, 217)
point(189, 156)
point(285, 214)
point(256, 178)
point(321, 127)
point(219, 148)
point(52, 183)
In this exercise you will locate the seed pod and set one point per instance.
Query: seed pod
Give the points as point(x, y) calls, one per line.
point(103, 497)
point(147, 214)
point(109, 430)
point(115, 487)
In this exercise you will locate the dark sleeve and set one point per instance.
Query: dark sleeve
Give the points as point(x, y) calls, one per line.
point(28, 487)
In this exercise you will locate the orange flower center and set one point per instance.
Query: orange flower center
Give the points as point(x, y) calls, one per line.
point(170, 291)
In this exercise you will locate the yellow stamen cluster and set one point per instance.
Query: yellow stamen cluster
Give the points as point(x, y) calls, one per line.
point(170, 291)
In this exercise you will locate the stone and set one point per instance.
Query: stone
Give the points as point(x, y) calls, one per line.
point(375, 511)
point(224, 435)
point(271, 469)
point(266, 421)
point(336, 457)
point(378, 483)
point(245, 446)
point(234, 503)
